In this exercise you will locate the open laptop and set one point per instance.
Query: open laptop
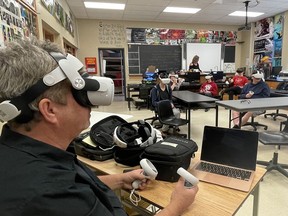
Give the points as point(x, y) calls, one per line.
point(223, 149)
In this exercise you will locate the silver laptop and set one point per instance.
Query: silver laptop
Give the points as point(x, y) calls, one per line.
point(228, 157)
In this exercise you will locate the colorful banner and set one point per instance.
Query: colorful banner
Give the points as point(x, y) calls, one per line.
point(160, 36)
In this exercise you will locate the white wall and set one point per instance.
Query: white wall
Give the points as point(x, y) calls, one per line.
point(209, 56)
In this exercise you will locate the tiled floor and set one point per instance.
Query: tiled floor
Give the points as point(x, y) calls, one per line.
point(274, 187)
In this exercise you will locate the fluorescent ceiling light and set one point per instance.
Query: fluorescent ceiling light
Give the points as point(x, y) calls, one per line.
point(181, 10)
point(243, 14)
point(101, 5)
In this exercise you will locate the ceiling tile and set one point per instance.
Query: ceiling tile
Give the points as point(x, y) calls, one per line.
point(152, 10)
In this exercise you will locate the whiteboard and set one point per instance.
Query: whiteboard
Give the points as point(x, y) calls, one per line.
point(209, 56)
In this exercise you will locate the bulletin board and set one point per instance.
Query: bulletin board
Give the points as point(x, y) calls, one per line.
point(211, 56)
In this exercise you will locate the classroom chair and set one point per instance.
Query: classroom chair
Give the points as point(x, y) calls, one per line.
point(166, 116)
point(154, 118)
point(254, 123)
point(276, 138)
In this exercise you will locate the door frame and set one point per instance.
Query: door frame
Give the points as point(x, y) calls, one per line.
point(122, 69)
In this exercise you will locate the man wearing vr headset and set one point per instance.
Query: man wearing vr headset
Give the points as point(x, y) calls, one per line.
point(46, 102)
point(257, 88)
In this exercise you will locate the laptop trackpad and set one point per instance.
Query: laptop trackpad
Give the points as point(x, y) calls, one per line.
point(217, 179)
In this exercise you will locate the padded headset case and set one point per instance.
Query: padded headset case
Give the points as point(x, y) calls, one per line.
point(131, 139)
point(101, 136)
point(170, 154)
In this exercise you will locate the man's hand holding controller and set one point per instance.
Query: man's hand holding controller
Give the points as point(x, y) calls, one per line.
point(190, 180)
point(149, 171)
point(250, 94)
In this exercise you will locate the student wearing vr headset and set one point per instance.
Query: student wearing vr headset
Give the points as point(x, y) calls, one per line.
point(257, 88)
point(46, 101)
point(163, 91)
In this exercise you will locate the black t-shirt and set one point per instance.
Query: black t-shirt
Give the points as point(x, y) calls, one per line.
point(194, 67)
point(39, 179)
point(164, 95)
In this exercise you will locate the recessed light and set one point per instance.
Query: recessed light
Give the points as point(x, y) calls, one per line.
point(243, 14)
point(102, 5)
point(181, 10)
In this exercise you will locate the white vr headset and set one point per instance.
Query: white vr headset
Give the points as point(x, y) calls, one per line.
point(165, 80)
point(139, 133)
point(88, 91)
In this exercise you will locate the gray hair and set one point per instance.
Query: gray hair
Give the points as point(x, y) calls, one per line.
point(22, 64)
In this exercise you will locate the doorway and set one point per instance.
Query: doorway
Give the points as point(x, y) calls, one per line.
point(111, 62)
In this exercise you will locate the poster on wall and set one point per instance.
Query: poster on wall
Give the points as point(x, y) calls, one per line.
point(49, 5)
point(29, 21)
point(264, 46)
point(30, 3)
point(59, 13)
point(91, 65)
point(278, 39)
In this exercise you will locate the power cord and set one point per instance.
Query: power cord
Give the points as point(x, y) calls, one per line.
point(134, 197)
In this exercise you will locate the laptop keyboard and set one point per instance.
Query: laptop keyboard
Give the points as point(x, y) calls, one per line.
point(225, 171)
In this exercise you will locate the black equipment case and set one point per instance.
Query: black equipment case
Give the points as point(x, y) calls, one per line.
point(100, 146)
point(170, 154)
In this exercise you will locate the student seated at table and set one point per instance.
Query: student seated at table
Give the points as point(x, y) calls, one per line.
point(209, 88)
point(37, 175)
point(175, 81)
point(163, 91)
point(257, 88)
point(235, 84)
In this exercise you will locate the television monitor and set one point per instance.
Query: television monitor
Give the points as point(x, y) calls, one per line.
point(149, 76)
point(193, 77)
point(218, 76)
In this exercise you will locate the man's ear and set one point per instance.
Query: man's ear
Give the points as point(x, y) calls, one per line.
point(47, 109)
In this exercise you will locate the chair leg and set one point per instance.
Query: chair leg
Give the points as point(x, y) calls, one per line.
point(178, 134)
point(274, 165)
point(255, 124)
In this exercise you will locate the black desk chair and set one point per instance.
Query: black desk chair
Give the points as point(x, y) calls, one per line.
point(254, 123)
point(144, 92)
point(274, 115)
point(155, 117)
point(276, 138)
point(281, 87)
point(166, 116)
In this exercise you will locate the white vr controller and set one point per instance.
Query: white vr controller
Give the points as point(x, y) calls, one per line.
point(190, 180)
point(149, 171)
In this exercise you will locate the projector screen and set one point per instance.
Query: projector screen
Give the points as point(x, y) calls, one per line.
point(210, 57)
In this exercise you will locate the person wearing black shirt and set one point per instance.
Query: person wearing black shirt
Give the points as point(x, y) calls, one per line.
point(44, 112)
point(194, 65)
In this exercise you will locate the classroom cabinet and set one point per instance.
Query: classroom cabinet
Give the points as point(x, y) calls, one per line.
point(113, 67)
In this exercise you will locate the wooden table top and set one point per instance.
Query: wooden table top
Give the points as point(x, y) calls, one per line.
point(210, 200)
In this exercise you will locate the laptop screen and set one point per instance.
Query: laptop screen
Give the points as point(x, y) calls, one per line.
point(231, 147)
